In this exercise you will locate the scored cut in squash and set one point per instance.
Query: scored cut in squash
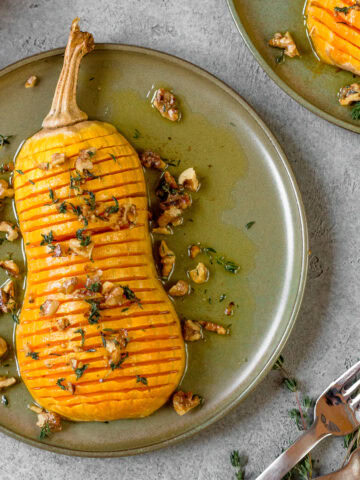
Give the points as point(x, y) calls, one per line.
point(334, 29)
point(155, 351)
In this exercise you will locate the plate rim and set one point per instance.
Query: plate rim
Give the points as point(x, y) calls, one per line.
point(279, 82)
point(302, 278)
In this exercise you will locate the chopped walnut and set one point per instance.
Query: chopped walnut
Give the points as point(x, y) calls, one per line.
point(179, 200)
point(183, 402)
point(214, 327)
point(286, 42)
point(192, 331)
point(56, 250)
point(49, 419)
point(114, 295)
point(152, 160)
point(165, 103)
point(167, 259)
point(56, 159)
point(5, 190)
point(189, 180)
point(200, 274)
point(125, 217)
point(11, 231)
point(31, 81)
point(10, 266)
point(3, 347)
point(69, 285)
point(78, 249)
point(115, 346)
point(349, 94)
point(7, 382)
point(162, 230)
point(62, 323)
point(171, 215)
point(194, 251)
point(229, 310)
point(83, 162)
point(7, 298)
point(180, 289)
point(49, 307)
point(70, 388)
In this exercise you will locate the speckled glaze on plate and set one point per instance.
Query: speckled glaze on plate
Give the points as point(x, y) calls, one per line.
point(307, 80)
point(245, 177)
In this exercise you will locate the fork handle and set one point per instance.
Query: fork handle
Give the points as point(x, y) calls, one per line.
point(287, 460)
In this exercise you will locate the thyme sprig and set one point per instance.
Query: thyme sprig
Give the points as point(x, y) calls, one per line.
point(4, 140)
point(228, 265)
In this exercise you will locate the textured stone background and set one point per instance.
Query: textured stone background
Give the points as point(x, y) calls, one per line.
point(325, 160)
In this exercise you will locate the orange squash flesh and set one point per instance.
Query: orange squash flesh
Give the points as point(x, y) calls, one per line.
point(155, 350)
point(335, 35)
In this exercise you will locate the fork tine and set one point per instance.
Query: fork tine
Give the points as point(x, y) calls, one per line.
point(348, 375)
point(355, 402)
point(348, 392)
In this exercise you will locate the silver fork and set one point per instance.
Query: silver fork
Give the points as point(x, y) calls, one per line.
point(336, 413)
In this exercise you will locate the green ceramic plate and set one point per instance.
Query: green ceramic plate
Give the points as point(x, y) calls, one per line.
point(310, 82)
point(245, 177)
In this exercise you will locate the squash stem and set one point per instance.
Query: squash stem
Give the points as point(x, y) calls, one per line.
point(64, 110)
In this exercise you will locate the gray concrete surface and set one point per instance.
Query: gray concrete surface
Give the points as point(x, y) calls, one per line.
point(326, 162)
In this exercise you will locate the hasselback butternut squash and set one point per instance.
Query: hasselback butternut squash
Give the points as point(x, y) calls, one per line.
point(98, 338)
point(334, 28)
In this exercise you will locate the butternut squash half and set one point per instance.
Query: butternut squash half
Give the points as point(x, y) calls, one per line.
point(98, 337)
point(334, 29)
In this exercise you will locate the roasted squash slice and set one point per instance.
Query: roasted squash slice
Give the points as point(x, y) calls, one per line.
point(81, 200)
point(334, 29)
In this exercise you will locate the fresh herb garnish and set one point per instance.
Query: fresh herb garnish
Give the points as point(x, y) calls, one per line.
point(113, 208)
point(59, 383)
point(82, 333)
point(52, 196)
point(4, 140)
point(32, 183)
point(222, 297)
point(113, 365)
point(228, 265)
point(140, 379)
point(4, 401)
point(75, 182)
point(85, 240)
point(137, 134)
point(343, 9)
point(280, 58)
point(355, 111)
point(239, 463)
point(20, 172)
point(33, 355)
point(47, 238)
point(249, 225)
point(62, 208)
point(45, 431)
point(113, 157)
point(130, 294)
point(79, 372)
point(90, 202)
point(15, 318)
point(94, 313)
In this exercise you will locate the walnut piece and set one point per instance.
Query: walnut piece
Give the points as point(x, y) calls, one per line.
point(200, 274)
point(189, 180)
point(10, 266)
point(152, 160)
point(78, 249)
point(167, 259)
point(62, 323)
point(115, 345)
point(3, 347)
point(83, 161)
point(194, 251)
point(171, 215)
point(163, 230)
point(180, 289)
point(5, 190)
point(125, 217)
point(69, 285)
point(11, 231)
point(213, 327)
point(192, 331)
point(31, 81)
point(49, 419)
point(7, 382)
point(165, 102)
point(7, 297)
point(286, 42)
point(49, 307)
point(349, 94)
point(183, 402)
